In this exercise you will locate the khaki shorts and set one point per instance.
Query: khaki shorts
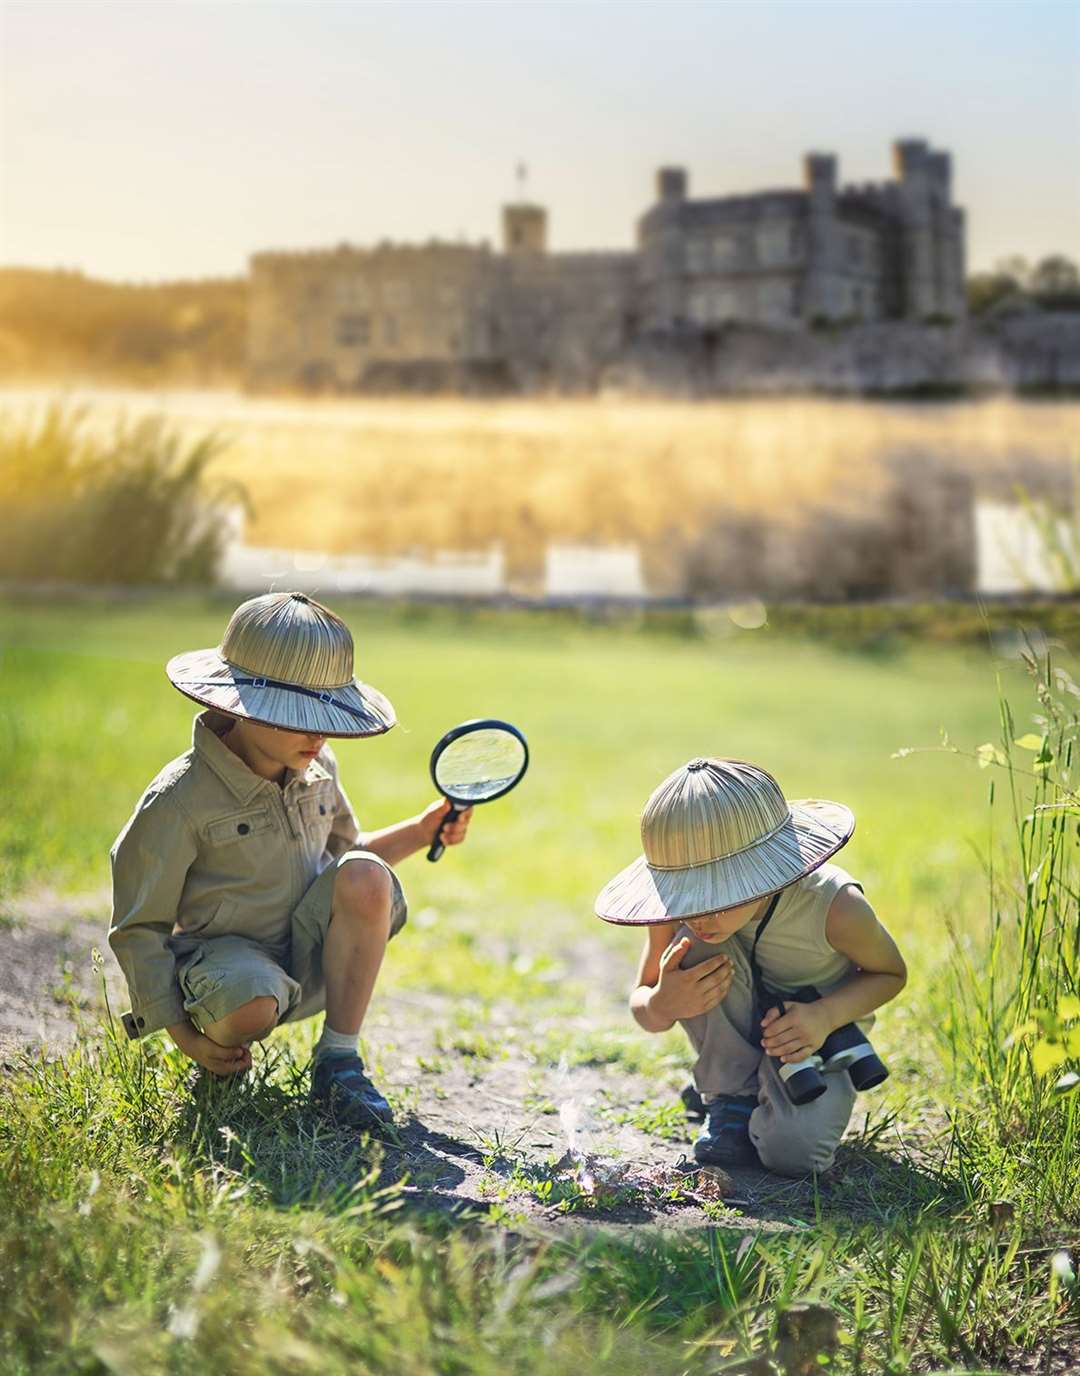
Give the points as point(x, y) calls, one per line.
point(221, 973)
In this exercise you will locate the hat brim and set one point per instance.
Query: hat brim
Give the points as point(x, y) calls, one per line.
point(353, 709)
point(643, 896)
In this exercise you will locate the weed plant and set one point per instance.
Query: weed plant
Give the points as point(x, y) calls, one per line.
point(1010, 1030)
point(135, 506)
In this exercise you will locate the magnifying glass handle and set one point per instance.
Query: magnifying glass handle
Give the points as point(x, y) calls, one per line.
point(437, 846)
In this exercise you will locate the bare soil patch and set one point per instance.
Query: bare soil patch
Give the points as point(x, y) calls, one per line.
point(502, 1133)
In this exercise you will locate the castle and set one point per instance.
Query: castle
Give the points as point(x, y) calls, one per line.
point(464, 316)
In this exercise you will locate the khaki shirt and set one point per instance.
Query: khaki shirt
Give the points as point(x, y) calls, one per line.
point(213, 848)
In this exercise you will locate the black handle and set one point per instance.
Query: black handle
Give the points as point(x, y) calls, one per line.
point(437, 846)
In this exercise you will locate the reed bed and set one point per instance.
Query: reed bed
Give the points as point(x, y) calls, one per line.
point(394, 475)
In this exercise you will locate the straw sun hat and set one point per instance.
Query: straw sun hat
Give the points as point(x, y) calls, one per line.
point(716, 834)
point(285, 661)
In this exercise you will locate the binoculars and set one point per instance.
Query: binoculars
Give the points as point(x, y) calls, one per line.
point(846, 1048)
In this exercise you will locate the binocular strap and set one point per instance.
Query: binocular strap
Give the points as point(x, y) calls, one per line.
point(760, 992)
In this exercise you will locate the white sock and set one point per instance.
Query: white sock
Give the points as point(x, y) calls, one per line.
point(333, 1043)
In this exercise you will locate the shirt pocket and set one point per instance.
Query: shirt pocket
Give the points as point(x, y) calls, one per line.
point(239, 828)
point(317, 816)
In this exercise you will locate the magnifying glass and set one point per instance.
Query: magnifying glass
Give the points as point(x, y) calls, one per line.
point(476, 762)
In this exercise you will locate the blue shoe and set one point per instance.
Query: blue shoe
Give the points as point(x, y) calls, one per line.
point(692, 1102)
point(724, 1139)
point(340, 1087)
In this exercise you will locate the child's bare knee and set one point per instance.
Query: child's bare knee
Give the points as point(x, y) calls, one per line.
point(362, 889)
point(251, 1022)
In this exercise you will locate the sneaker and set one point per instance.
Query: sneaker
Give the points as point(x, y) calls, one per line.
point(724, 1139)
point(340, 1086)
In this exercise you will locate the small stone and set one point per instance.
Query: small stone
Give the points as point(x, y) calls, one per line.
point(718, 1179)
point(1002, 1212)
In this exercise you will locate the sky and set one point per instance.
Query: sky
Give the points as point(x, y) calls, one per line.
point(151, 139)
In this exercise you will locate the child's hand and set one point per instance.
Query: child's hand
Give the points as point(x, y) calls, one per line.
point(221, 1060)
point(686, 993)
point(453, 833)
point(797, 1033)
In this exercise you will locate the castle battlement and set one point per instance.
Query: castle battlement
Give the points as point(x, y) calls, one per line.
point(781, 258)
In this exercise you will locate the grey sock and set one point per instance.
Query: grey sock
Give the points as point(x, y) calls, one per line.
point(333, 1043)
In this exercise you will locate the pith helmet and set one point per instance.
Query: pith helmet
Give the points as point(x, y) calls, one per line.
point(716, 834)
point(285, 661)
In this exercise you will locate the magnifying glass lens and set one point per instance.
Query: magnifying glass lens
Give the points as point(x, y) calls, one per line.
point(479, 765)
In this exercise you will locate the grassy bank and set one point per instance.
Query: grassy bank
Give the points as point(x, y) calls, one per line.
point(147, 1229)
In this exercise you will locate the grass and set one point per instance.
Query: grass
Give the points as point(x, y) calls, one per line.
point(142, 1227)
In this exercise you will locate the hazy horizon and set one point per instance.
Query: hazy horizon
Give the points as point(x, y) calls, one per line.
point(156, 142)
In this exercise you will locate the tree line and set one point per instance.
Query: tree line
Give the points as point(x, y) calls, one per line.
point(58, 322)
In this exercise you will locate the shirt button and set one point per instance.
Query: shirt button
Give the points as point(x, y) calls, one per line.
point(322, 810)
point(242, 828)
point(140, 1022)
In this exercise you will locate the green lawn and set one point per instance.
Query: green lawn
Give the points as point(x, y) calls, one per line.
point(87, 719)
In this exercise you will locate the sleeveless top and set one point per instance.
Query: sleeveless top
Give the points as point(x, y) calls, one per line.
point(793, 949)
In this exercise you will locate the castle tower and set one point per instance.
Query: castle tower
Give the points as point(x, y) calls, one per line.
point(948, 235)
point(524, 230)
point(819, 181)
point(671, 184)
point(916, 172)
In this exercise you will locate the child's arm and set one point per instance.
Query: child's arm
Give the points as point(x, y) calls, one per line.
point(663, 993)
point(395, 842)
point(150, 861)
point(852, 928)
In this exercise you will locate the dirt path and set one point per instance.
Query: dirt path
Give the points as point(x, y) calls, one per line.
point(485, 1126)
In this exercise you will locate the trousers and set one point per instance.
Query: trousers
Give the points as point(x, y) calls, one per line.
point(789, 1140)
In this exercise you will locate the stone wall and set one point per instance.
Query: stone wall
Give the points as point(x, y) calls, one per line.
point(1038, 352)
point(320, 320)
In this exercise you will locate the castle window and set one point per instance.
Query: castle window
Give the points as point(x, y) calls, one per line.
point(697, 255)
point(724, 306)
point(773, 244)
point(854, 248)
point(353, 330)
point(700, 306)
point(396, 292)
point(713, 306)
point(352, 291)
point(773, 300)
point(724, 250)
